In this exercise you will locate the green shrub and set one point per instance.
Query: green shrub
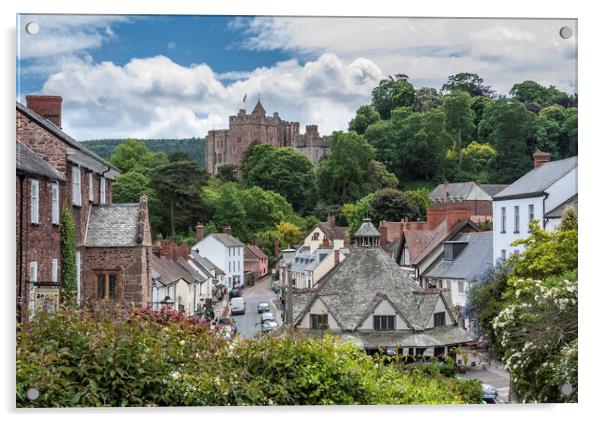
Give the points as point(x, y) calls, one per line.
point(108, 357)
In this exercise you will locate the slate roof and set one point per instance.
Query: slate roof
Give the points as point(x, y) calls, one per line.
point(113, 225)
point(465, 191)
point(431, 338)
point(227, 240)
point(170, 272)
point(258, 109)
point(29, 162)
point(558, 212)
point(367, 229)
point(471, 263)
point(84, 160)
point(364, 279)
point(199, 274)
point(538, 180)
point(58, 132)
point(205, 263)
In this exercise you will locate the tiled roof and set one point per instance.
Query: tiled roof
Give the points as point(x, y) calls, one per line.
point(29, 162)
point(333, 232)
point(538, 180)
point(430, 338)
point(113, 225)
point(255, 250)
point(58, 132)
point(205, 263)
point(226, 239)
point(200, 274)
point(558, 212)
point(471, 263)
point(169, 272)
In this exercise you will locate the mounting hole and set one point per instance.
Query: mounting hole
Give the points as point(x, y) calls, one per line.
point(32, 28)
point(566, 389)
point(32, 394)
point(566, 32)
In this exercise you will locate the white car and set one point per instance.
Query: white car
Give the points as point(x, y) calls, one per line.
point(237, 306)
point(267, 316)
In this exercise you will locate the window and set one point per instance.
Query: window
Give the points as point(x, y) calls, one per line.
point(531, 214)
point(103, 190)
point(76, 185)
point(461, 286)
point(503, 254)
point(503, 220)
point(35, 202)
point(318, 321)
point(55, 203)
point(516, 252)
point(33, 272)
point(384, 322)
point(238, 265)
point(448, 251)
point(439, 319)
point(106, 285)
point(33, 278)
point(91, 187)
point(77, 275)
point(55, 270)
point(516, 219)
point(229, 266)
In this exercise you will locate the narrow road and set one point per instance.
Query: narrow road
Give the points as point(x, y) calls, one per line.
point(248, 324)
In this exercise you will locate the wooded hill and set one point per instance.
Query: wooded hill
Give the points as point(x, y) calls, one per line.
point(193, 147)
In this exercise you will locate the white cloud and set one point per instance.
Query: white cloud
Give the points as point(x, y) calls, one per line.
point(63, 35)
point(502, 51)
point(155, 97)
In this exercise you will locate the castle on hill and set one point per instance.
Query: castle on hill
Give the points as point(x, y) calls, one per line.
point(228, 146)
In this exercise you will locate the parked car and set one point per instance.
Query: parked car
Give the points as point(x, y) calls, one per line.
point(489, 394)
point(263, 307)
point(267, 316)
point(237, 306)
point(268, 326)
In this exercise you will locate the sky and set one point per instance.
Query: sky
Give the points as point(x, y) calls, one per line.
point(181, 76)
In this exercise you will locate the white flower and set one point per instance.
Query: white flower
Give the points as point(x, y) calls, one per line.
point(176, 375)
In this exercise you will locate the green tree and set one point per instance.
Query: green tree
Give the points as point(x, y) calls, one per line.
point(360, 210)
point(230, 211)
point(468, 82)
point(508, 124)
point(459, 118)
point(227, 173)
point(378, 177)
point(421, 198)
point(178, 183)
point(427, 99)
point(129, 186)
point(283, 170)
point(135, 155)
point(532, 92)
point(392, 93)
point(393, 205)
point(342, 176)
point(364, 117)
point(68, 264)
point(288, 233)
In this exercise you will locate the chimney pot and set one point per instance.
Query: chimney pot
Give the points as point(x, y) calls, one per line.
point(200, 232)
point(337, 256)
point(47, 106)
point(228, 230)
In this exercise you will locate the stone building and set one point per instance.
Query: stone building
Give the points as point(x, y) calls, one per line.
point(228, 146)
point(84, 186)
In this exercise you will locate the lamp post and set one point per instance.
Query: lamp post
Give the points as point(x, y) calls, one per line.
point(287, 257)
point(166, 301)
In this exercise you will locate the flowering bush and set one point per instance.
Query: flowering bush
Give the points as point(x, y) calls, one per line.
point(110, 357)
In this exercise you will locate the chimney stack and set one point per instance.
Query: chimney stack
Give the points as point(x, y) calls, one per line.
point(325, 243)
point(540, 158)
point(337, 256)
point(47, 106)
point(228, 230)
point(331, 220)
point(200, 232)
point(446, 192)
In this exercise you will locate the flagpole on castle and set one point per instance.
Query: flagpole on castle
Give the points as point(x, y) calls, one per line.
point(244, 101)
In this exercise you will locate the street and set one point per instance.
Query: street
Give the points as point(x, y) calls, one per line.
point(249, 323)
point(492, 373)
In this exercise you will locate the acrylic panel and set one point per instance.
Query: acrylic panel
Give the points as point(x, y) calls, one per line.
point(256, 210)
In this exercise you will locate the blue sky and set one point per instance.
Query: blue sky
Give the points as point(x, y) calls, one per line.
point(179, 76)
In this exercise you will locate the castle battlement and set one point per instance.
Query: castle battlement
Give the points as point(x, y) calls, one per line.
point(228, 146)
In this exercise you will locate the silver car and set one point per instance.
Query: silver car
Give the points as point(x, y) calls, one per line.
point(267, 316)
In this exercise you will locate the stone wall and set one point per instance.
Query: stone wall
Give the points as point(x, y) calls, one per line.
point(131, 265)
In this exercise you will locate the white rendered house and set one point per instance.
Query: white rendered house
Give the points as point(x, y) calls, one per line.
point(531, 197)
point(225, 251)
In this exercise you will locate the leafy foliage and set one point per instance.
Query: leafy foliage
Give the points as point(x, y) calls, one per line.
point(392, 93)
point(471, 83)
point(364, 117)
point(114, 358)
point(283, 170)
point(393, 205)
point(68, 264)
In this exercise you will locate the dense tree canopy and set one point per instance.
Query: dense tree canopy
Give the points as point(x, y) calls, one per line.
point(365, 116)
point(468, 82)
point(283, 170)
point(392, 93)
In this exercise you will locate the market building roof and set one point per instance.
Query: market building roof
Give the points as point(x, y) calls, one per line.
point(114, 225)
